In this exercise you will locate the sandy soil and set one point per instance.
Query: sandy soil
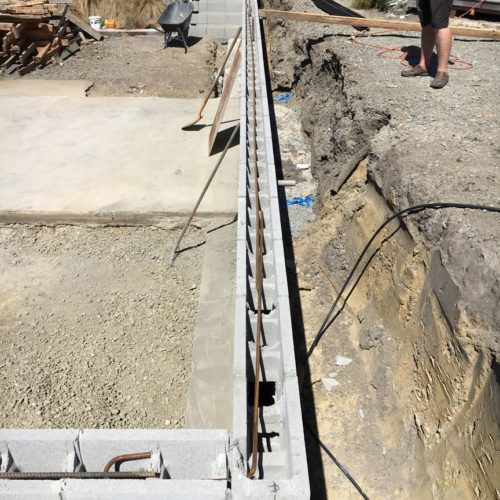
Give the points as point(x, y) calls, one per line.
point(138, 66)
point(95, 326)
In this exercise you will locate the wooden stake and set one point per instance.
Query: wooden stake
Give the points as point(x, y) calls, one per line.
point(373, 23)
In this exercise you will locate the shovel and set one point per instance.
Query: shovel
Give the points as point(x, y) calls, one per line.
point(199, 116)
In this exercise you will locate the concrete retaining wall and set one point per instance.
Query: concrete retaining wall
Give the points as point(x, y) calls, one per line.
point(216, 18)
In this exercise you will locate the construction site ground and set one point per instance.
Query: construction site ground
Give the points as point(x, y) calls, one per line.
point(411, 406)
point(138, 66)
point(413, 410)
point(97, 328)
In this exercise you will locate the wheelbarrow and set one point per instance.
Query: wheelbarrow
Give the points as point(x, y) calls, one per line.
point(176, 18)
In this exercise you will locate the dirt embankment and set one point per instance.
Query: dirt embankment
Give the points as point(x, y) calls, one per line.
point(416, 412)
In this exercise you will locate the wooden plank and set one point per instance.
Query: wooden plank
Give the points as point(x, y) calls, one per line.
point(6, 26)
point(28, 68)
point(16, 30)
point(78, 22)
point(9, 62)
point(28, 53)
point(373, 23)
point(226, 93)
point(38, 35)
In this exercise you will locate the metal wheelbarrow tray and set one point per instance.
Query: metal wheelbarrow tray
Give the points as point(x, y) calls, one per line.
point(176, 17)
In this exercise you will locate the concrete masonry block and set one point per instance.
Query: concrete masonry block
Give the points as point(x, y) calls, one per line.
point(276, 221)
point(280, 269)
point(232, 19)
point(38, 450)
point(216, 31)
point(295, 433)
point(241, 269)
point(240, 337)
point(199, 31)
point(153, 489)
point(241, 223)
point(216, 18)
point(28, 490)
point(234, 6)
point(286, 334)
point(187, 454)
point(199, 18)
point(216, 5)
point(231, 30)
point(289, 489)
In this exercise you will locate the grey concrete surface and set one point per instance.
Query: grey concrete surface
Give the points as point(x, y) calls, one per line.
point(210, 394)
point(101, 155)
point(40, 88)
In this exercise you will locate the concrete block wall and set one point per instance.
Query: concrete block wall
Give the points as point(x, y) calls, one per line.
point(282, 458)
point(216, 18)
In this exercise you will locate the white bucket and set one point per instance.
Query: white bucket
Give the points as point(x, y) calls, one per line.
point(95, 22)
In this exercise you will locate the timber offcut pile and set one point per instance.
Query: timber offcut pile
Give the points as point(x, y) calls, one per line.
point(33, 33)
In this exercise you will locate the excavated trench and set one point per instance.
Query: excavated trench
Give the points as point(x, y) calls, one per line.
point(415, 413)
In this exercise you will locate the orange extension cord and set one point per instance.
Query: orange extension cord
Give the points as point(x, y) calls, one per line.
point(404, 52)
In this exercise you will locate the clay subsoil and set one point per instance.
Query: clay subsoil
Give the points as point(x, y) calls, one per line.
point(96, 326)
point(414, 410)
point(138, 66)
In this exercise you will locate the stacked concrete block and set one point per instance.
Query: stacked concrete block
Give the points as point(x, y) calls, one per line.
point(189, 463)
point(282, 471)
point(216, 18)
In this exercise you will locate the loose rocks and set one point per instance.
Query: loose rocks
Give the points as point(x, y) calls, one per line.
point(95, 326)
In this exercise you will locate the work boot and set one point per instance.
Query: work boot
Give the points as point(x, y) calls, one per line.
point(415, 71)
point(440, 80)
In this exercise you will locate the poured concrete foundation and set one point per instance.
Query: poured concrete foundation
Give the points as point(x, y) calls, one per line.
point(101, 155)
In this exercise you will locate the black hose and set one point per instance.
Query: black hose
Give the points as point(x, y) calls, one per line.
point(336, 462)
point(324, 327)
point(405, 212)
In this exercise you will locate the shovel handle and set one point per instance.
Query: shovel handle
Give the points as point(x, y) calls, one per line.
point(224, 61)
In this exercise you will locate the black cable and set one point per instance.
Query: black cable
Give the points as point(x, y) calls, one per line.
point(407, 211)
point(336, 462)
point(324, 327)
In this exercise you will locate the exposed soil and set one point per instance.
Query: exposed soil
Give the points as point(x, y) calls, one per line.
point(138, 66)
point(415, 413)
point(96, 326)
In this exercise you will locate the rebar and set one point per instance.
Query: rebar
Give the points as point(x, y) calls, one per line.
point(259, 271)
point(120, 459)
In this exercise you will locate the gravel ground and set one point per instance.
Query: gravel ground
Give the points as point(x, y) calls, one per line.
point(138, 66)
point(95, 326)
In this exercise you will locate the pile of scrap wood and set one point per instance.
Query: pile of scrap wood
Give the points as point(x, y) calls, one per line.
point(35, 32)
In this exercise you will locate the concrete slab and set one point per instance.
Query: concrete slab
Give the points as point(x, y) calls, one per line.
point(39, 88)
point(118, 155)
point(210, 397)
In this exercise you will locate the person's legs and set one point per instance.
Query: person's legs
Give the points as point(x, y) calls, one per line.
point(443, 44)
point(428, 40)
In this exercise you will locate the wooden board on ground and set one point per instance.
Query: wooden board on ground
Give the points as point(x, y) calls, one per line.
point(373, 23)
point(226, 93)
point(80, 23)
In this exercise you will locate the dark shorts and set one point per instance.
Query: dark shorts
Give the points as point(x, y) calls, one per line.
point(434, 12)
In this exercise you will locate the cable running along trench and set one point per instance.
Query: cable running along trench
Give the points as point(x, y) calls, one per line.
point(326, 322)
point(402, 213)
